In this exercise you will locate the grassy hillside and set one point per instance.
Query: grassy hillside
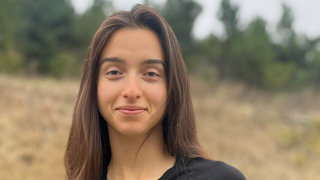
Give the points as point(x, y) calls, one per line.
point(267, 136)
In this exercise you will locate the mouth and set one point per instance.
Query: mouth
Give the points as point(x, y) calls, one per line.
point(131, 110)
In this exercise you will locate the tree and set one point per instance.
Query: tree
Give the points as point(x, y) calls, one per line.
point(181, 16)
point(294, 49)
point(88, 23)
point(285, 23)
point(9, 23)
point(258, 65)
point(47, 28)
point(228, 15)
point(291, 46)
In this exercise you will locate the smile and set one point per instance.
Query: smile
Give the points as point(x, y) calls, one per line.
point(131, 110)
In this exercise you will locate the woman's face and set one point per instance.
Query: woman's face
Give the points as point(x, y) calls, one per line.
point(132, 89)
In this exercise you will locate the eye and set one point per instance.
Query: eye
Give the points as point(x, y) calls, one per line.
point(151, 74)
point(114, 73)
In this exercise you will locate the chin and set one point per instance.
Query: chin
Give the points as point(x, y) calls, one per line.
point(134, 129)
point(132, 125)
point(133, 132)
point(130, 129)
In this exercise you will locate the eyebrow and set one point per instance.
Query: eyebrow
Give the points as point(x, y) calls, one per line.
point(153, 61)
point(112, 59)
point(121, 61)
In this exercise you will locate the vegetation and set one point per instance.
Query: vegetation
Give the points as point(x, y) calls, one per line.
point(49, 38)
point(265, 135)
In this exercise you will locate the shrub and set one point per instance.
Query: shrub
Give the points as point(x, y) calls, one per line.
point(10, 62)
point(64, 65)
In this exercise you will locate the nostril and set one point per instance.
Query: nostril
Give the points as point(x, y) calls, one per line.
point(131, 96)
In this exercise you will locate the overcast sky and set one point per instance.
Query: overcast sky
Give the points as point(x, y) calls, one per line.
point(306, 14)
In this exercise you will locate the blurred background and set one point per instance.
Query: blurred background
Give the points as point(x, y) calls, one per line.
point(254, 69)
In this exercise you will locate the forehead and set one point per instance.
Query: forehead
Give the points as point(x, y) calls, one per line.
point(133, 43)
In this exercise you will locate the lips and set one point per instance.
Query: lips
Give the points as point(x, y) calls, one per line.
point(131, 110)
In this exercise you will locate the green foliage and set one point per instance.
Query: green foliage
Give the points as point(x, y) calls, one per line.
point(228, 16)
point(47, 28)
point(88, 22)
point(251, 55)
point(8, 26)
point(314, 65)
point(296, 53)
point(43, 36)
point(9, 57)
point(252, 52)
point(277, 75)
point(181, 15)
point(10, 62)
point(64, 65)
point(284, 26)
point(48, 37)
point(211, 48)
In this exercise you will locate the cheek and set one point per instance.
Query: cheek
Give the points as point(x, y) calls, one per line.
point(106, 94)
point(158, 95)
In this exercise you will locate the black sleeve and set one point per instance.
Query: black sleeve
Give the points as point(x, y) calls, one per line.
point(204, 169)
point(223, 171)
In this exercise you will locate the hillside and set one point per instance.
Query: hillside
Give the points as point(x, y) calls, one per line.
point(267, 136)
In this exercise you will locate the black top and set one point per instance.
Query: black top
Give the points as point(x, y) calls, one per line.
point(200, 169)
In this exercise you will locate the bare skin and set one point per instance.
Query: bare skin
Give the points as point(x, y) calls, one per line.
point(150, 162)
point(132, 97)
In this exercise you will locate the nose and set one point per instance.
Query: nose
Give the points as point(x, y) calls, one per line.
point(132, 89)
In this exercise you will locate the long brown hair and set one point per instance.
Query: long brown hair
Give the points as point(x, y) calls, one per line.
point(88, 151)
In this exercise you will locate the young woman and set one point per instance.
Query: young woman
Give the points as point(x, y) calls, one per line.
point(134, 117)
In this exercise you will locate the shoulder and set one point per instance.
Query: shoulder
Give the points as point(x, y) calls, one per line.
point(202, 169)
point(210, 169)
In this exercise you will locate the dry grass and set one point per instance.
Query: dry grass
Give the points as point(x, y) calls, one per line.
point(267, 136)
point(34, 120)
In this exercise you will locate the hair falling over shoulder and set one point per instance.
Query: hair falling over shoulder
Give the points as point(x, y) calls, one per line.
point(88, 151)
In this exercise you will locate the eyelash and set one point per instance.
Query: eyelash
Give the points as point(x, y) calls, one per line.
point(115, 75)
point(151, 74)
point(111, 73)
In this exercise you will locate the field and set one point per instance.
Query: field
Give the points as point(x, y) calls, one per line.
point(267, 136)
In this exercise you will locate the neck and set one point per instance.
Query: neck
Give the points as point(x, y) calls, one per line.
point(138, 157)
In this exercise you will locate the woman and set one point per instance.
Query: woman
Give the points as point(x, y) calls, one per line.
point(134, 117)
